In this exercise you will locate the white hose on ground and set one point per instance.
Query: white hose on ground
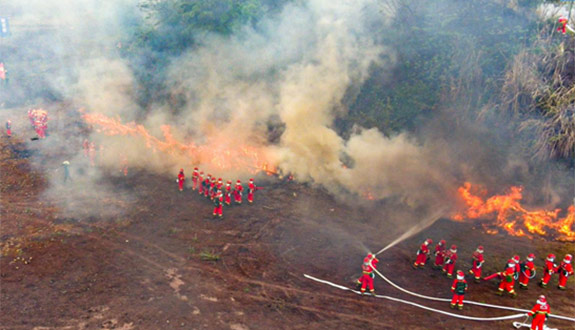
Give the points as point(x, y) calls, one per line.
point(466, 301)
point(472, 318)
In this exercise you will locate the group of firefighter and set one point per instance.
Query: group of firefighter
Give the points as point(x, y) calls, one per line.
point(215, 190)
point(39, 120)
point(514, 269)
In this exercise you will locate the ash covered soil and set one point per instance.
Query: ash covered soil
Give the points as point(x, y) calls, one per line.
point(154, 266)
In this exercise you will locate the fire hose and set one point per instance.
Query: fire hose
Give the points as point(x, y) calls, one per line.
point(466, 301)
point(501, 318)
point(472, 318)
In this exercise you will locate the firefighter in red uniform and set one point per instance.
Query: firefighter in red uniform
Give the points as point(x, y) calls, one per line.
point(181, 179)
point(218, 204)
point(238, 192)
point(207, 183)
point(439, 254)
point(220, 184)
point(548, 270)
point(517, 261)
point(228, 192)
point(450, 259)
point(422, 254)
point(201, 183)
point(213, 188)
point(195, 177)
point(9, 128)
point(527, 271)
point(507, 279)
point(565, 270)
point(562, 25)
point(477, 261)
point(251, 190)
point(459, 287)
point(539, 312)
point(366, 279)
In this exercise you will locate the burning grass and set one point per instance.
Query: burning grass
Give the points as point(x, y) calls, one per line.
point(512, 217)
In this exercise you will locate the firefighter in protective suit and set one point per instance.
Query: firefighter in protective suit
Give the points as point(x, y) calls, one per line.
point(477, 262)
point(527, 271)
point(565, 270)
point(539, 312)
point(459, 287)
point(439, 253)
point(450, 259)
point(548, 270)
point(181, 179)
point(507, 279)
point(422, 254)
point(367, 268)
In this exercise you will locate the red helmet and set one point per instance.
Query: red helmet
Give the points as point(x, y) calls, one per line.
point(511, 263)
point(516, 259)
point(460, 275)
point(251, 179)
point(213, 179)
point(453, 248)
point(202, 172)
point(220, 179)
point(181, 169)
point(530, 257)
point(542, 300)
point(229, 181)
point(209, 175)
point(442, 242)
point(195, 168)
point(562, 19)
point(480, 249)
point(551, 257)
point(238, 182)
point(567, 258)
point(428, 241)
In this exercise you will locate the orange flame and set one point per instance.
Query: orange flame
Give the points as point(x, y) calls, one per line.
point(216, 153)
point(514, 218)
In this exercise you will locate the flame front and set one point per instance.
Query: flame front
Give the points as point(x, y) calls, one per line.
point(222, 154)
point(514, 218)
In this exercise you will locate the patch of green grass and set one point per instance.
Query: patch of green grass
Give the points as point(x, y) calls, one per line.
point(209, 256)
point(192, 250)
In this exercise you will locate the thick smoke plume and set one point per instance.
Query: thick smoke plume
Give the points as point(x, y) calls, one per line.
point(289, 74)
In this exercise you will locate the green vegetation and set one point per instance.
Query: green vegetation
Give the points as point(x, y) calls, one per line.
point(209, 256)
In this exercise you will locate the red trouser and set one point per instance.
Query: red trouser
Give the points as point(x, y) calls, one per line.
point(366, 280)
point(194, 183)
point(250, 197)
point(218, 210)
point(524, 278)
point(439, 260)
point(457, 298)
point(181, 184)
point(507, 286)
point(228, 198)
point(538, 321)
point(238, 197)
point(420, 260)
point(546, 278)
point(562, 280)
point(476, 272)
point(9, 132)
point(206, 192)
point(201, 189)
point(449, 268)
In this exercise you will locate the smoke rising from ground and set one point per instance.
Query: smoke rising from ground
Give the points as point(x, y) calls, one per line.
point(292, 70)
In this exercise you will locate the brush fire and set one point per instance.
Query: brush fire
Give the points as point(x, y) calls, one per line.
point(223, 154)
point(512, 217)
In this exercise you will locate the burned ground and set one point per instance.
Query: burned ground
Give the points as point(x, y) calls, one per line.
point(165, 263)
